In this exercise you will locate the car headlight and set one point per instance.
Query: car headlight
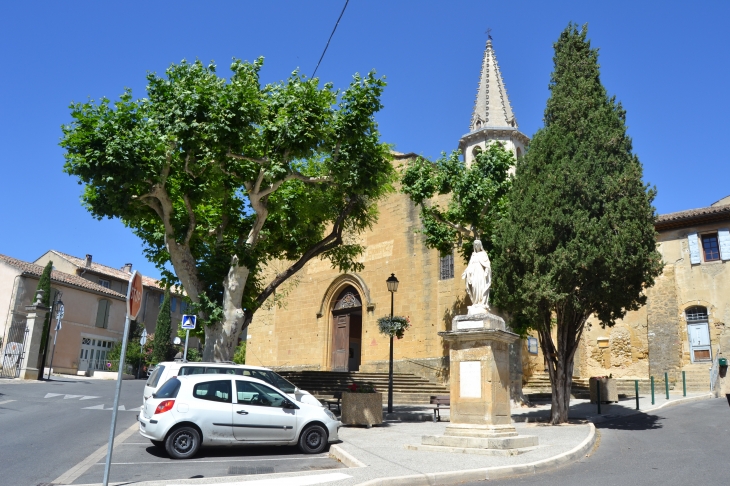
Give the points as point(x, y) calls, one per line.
point(330, 414)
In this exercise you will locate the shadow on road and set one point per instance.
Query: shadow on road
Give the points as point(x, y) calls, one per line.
point(233, 451)
point(640, 421)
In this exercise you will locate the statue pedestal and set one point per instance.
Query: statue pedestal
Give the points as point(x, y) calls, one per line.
point(481, 420)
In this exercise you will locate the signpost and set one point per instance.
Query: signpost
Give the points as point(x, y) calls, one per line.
point(142, 342)
point(59, 316)
point(188, 323)
point(134, 303)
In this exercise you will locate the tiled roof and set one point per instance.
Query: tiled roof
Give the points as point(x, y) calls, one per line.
point(693, 216)
point(60, 277)
point(109, 271)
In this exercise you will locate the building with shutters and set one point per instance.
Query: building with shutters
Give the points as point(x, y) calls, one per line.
point(685, 325)
point(94, 297)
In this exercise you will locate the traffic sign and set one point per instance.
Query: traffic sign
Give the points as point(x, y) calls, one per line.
point(134, 295)
point(143, 339)
point(188, 321)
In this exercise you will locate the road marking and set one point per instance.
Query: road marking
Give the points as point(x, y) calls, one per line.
point(87, 398)
point(66, 397)
point(6, 401)
point(214, 461)
point(51, 395)
point(75, 472)
point(290, 481)
point(121, 408)
point(95, 407)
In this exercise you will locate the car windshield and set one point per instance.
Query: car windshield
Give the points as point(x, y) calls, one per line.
point(273, 379)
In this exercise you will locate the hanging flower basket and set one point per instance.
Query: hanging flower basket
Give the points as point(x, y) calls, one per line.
point(394, 326)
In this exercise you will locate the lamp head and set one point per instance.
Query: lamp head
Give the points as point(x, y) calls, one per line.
point(392, 283)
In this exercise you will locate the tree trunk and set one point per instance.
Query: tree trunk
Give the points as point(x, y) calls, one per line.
point(221, 339)
point(561, 381)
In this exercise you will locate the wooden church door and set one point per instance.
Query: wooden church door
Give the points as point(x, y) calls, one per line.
point(341, 344)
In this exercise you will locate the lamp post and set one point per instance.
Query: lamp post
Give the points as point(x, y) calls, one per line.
point(44, 351)
point(59, 317)
point(392, 288)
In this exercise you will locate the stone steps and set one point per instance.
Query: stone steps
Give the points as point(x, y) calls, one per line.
point(407, 388)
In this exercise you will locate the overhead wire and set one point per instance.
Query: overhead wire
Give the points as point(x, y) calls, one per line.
point(328, 40)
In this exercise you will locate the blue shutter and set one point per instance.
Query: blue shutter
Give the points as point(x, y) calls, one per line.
point(694, 248)
point(723, 236)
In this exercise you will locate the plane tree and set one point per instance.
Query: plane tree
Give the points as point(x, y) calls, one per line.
point(221, 177)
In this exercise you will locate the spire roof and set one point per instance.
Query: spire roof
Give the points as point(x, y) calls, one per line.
point(492, 108)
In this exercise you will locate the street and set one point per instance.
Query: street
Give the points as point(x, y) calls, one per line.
point(48, 428)
point(678, 445)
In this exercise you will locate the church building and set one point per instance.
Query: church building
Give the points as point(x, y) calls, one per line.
point(329, 320)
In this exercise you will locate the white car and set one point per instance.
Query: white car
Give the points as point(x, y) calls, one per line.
point(190, 411)
point(166, 370)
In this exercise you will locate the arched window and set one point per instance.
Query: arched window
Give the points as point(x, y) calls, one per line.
point(348, 298)
point(519, 152)
point(102, 313)
point(696, 313)
point(476, 151)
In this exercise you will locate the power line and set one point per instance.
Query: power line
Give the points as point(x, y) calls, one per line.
point(328, 40)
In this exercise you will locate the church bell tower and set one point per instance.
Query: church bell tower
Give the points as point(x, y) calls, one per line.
point(492, 119)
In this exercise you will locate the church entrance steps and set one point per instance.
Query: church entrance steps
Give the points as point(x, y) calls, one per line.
point(407, 388)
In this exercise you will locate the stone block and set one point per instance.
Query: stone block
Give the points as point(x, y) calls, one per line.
point(362, 408)
point(609, 389)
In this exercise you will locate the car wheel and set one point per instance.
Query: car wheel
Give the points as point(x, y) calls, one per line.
point(183, 442)
point(313, 439)
point(158, 443)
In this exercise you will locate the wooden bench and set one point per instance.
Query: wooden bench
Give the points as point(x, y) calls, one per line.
point(335, 400)
point(438, 403)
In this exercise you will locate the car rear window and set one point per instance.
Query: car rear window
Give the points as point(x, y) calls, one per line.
point(169, 389)
point(192, 370)
point(155, 376)
point(215, 391)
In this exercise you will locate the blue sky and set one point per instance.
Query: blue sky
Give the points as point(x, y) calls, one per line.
point(667, 62)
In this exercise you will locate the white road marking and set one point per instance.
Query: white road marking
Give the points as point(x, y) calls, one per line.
point(205, 460)
point(290, 481)
point(66, 397)
point(75, 472)
point(6, 401)
point(95, 407)
point(87, 398)
point(51, 395)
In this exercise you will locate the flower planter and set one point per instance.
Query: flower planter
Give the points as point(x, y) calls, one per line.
point(362, 408)
point(609, 390)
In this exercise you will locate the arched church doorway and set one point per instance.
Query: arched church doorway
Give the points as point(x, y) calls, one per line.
point(347, 330)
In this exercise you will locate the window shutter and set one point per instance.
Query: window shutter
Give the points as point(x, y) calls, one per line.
point(102, 314)
point(694, 248)
point(723, 238)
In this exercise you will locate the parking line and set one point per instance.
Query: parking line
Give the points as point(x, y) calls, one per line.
point(224, 460)
point(6, 401)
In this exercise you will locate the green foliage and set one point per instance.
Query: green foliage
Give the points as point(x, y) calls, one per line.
point(578, 235)
point(135, 355)
point(240, 355)
point(44, 284)
point(162, 348)
point(475, 197)
point(194, 355)
point(394, 326)
point(205, 168)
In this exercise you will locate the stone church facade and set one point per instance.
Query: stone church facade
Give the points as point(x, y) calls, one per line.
point(329, 320)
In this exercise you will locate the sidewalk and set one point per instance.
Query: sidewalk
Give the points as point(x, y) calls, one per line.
point(378, 456)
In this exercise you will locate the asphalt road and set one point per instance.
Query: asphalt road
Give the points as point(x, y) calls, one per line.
point(47, 428)
point(680, 445)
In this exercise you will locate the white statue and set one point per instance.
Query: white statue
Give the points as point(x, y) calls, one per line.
point(478, 276)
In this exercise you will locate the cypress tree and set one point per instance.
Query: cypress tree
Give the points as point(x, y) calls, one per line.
point(162, 349)
point(578, 239)
point(44, 284)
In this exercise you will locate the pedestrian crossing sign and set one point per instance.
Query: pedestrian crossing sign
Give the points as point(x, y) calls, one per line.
point(188, 322)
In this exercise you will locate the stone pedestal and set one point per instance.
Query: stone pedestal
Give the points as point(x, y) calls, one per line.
point(36, 317)
point(481, 420)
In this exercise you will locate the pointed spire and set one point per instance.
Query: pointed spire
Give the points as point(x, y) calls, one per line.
point(492, 108)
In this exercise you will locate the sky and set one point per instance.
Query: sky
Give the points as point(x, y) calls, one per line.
point(665, 61)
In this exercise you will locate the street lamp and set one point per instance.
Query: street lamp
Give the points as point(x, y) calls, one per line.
point(59, 317)
point(392, 288)
point(44, 351)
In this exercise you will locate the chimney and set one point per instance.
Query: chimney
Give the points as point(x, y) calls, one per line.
point(127, 268)
point(88, 260)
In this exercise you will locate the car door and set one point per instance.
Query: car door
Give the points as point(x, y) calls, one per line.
point(259, 414)
point(211, 408)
